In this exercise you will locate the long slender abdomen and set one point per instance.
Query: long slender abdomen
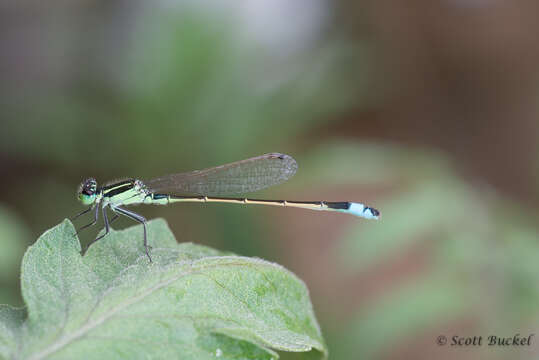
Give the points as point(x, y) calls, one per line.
point(352, 208)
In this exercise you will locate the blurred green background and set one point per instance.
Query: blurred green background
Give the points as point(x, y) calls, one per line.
point(426, 110)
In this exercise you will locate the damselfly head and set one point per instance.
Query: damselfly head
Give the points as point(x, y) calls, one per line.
point(88, 191)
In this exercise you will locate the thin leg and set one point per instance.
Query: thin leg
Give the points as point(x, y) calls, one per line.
point(81, 213)
point(116, 216)
point(140, 219)
point(96, 215)
point(107, 227)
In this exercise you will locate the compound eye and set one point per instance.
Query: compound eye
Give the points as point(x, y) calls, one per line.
point(87, 191)
point(89, 187)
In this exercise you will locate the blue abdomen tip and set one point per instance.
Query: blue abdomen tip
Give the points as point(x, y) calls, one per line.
point(363, 211)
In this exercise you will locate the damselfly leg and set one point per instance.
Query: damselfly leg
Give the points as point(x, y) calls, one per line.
point(96, 216)
point(139, 218)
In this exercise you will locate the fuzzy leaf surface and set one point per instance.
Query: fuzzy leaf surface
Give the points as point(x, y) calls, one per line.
point(192, 302)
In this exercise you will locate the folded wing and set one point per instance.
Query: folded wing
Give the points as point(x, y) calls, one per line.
point(239, 177)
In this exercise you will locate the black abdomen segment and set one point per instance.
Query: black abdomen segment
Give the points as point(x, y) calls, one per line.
point(338, 205)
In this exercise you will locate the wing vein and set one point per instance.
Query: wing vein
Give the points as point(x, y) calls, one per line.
point(239, 177)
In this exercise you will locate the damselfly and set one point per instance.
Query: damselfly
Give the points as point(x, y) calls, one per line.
point(207, 185)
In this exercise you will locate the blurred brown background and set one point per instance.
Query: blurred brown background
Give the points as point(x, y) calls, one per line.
point(426, 110)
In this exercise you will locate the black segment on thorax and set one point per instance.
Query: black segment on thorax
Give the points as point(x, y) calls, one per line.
point(117, 188)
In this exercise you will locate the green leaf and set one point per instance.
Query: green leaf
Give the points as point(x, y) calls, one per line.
point(192, 302)
point(11, 320)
